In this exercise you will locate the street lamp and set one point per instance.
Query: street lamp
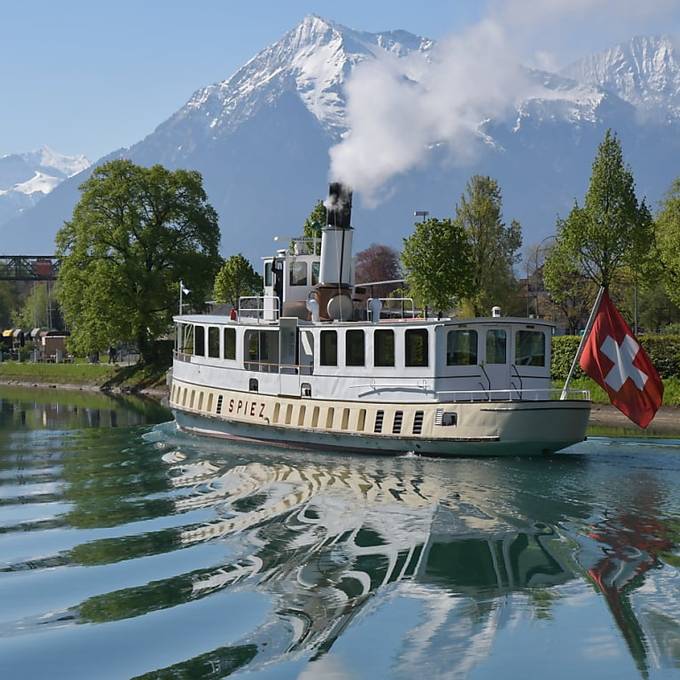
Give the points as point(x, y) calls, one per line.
point(421, 213)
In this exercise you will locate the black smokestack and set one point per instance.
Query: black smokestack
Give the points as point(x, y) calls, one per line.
point(339, 206)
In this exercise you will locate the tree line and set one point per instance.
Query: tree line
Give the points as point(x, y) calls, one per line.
point(136, 232)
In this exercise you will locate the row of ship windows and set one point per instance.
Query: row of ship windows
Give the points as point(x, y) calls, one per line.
point(462, 347)
point(326, 415)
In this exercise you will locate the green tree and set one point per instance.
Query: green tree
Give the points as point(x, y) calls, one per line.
point(134, 234)
point(668, 241)
point(7, 301)
point(437, 259)
point(39, 308)
point(494, 246)
point(235, 278)
point(315, 222)
point(612, 230)
point(570, 291)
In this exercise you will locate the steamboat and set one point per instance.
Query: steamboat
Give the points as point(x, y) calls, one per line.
point(316, 362)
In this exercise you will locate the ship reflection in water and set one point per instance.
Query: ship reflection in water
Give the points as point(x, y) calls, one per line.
point(327, 540)
point(204, 559)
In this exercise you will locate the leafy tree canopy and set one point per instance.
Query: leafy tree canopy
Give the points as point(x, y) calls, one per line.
point(7, 296)
point(315, 222)
point(668, 241)
point(493, 245)
point(134, 234)
point(236, 278)
point(612, 230)
point(570, 291)
point(437, 259)
point(39, 309)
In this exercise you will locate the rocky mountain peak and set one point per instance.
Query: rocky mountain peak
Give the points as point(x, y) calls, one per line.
point(645, 72)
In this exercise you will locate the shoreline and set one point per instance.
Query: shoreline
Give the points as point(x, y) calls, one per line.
point(667, 420)
point(158, 393)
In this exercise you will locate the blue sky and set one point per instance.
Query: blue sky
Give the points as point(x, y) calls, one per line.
point(90, 77)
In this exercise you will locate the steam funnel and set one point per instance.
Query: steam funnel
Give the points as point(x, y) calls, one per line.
point(336, 238)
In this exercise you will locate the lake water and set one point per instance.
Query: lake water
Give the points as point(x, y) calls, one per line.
point(130, 550)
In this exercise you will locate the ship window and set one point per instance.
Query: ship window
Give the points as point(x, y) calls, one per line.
point(199, 344)
point(383, 348)
point(261, 347)
point(495, 346)
point(268, 273)
point(316, 266)
point(301, 415)
point(416, 347)
point(361, 420)
point(298, 273)
point(329, 348)
point(187, 338)
point(315, 416)
point(200, 401)
point(277, 410)
point(530, 348)
point(193, 396)
point(289, 413)
point(354, 348)
point(253, 385)
point(461, 348)
point(230, 343)
point(214, 342)
point(345, 418)
point(329, 418)
point(208, 408)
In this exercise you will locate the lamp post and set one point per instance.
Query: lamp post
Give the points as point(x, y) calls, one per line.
point(421, 213)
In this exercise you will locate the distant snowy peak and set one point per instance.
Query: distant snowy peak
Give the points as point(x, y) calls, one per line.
point(645, 72)
point(26, 178)
point(313, 60)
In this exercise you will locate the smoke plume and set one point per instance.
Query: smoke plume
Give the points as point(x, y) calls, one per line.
point(400, 108)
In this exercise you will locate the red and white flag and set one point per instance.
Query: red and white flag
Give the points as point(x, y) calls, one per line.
point(614, 359)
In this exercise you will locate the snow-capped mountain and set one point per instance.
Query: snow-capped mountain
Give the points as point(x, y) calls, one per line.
point(645, 72)
point(25, 178)
point(261, 139)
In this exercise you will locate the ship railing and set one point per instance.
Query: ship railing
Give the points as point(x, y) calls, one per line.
point(259, 307)
point(305, 246)
point(273, 367)
point(530, 394)
point(452, 396)
point(393, 307)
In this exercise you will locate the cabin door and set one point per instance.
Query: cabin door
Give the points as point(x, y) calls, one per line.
point(289, 372)
point(496, 367)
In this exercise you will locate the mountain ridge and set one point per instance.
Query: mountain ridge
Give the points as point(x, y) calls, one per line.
point(261, 136)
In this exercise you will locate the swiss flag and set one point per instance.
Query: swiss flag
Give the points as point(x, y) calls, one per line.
point(613, 357)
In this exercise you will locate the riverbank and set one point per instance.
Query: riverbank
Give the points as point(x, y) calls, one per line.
point(124, 379)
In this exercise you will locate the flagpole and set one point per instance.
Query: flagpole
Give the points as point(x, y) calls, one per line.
point(181, 289)
point(584, 337)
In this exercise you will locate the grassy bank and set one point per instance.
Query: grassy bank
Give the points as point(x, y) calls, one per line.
point(671, 395)
point(95, 376)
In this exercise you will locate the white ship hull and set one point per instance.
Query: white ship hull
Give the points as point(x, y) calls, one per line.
point(482, 428)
